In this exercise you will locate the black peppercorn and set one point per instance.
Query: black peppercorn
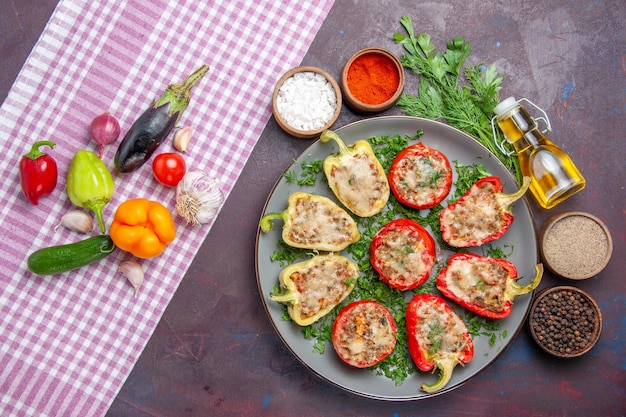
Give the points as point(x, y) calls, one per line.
point(565, 321)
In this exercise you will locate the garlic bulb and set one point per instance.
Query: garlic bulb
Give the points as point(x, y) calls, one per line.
point(77, 221)
point(182, 138)
point(133, 273)
point(198, 198)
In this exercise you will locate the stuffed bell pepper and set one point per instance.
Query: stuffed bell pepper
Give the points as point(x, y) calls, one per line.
point(437, 338)
point(420, 176)
point(485, 286)
point(403, 254)
point(312, 288)
point(481, 215)
point(364, 333)
point(314, 222)
point(356, 176)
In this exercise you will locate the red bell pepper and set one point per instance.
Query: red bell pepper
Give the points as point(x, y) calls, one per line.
point(364, 333)
point(483, 285)
point(420, 176)
point(38, 172)
point(481, 215)
point(437, 338)
point(403, 254)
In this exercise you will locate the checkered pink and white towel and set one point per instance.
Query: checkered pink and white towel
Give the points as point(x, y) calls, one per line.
point(68, 342)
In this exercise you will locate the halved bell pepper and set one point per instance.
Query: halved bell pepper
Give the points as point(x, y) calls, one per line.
point(403, 254)
point(483, 214)
point(142, 227)
point(420, 176)
point(486, 286)
point(314, 222)
point(437, 338)
point(364, 333)
point(312, 288)
point(356, 176)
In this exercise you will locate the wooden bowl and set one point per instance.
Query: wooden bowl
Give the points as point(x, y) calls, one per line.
point(575, 245)
point(565, 321)
point(302, 106)
point(375, 98)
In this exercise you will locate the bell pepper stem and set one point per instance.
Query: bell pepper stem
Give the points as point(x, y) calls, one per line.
point(97, 210)
point(445, 366)
point(288, 297)
point(506, 200)
point(35, 153)
point(514, 289)
point(328, 135)
point(266, 221)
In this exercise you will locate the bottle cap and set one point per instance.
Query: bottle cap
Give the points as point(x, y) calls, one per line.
point(505, 106)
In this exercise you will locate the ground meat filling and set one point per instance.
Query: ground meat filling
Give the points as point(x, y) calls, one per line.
point(323, 284)
point(476, 218)
point(367, 334)
point(316, 223)
point(479, 283)
point(439, 332)
point(422, 180)
point(359, 184)
point(402, 257)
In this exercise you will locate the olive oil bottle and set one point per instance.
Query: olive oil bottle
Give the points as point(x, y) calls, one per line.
point(554, 175)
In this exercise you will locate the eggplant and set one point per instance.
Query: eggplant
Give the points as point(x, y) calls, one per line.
point(148, 131)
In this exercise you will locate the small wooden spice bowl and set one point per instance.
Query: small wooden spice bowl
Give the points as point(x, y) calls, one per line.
point(380, 78)
point(575, 245)
point(565, 321)
point(303, 102)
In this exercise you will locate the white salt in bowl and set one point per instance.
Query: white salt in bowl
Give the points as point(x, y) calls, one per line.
point(306, 101)
point(575, 245)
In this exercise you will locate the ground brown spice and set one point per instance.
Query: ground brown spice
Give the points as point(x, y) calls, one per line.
point(576, 246)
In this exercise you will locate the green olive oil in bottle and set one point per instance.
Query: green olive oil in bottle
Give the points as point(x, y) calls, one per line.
point(554, 175)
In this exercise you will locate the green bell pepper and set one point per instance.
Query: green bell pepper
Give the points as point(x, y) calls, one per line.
point(90, 184)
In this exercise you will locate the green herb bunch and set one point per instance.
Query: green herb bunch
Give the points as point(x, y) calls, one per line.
point(462, 96)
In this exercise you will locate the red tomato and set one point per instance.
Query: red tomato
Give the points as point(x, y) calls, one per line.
point(403, 254)
point(169, 168)
point(364, 333)
point(420, 177)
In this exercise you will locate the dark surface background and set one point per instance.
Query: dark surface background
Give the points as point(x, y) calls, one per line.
point(215, 351)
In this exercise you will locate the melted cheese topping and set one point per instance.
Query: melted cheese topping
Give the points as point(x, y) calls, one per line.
point(474, 219)
point(421, 180)
point(360, 186)
point(440, 332)
point(478, 282)
point(366, 336)
point(403, 258)
point(323, 284)
point(316, 224)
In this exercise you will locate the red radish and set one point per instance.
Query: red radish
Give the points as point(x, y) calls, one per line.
point(104, 130)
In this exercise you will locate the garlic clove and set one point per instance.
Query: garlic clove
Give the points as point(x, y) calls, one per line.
point(77, 221)
point(133, 273)
point(182, 137)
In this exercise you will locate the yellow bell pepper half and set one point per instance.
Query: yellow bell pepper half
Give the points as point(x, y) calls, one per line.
point(142, 227)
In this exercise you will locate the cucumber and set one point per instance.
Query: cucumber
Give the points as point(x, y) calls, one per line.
point(62, 258)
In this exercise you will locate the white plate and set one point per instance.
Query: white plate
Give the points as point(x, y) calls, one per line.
point(457, 146)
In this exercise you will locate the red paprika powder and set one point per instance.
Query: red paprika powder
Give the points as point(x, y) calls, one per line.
point(372, 78)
